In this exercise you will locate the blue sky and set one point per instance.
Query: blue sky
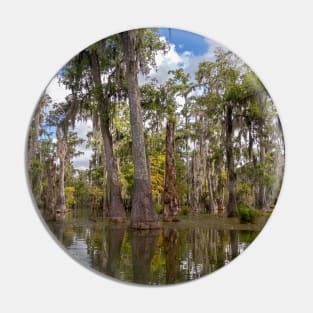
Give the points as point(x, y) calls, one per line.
point(186, 51)
point(185, 41)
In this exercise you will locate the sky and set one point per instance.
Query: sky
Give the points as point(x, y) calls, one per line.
point(185, 41)
point(186, 51)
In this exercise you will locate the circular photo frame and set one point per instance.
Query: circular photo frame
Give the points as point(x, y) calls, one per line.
point(155, 156)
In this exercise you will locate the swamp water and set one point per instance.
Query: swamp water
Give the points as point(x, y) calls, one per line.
point(177, 252)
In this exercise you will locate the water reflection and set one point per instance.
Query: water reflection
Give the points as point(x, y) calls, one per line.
point(115, 238)
point(143, 244)
point(176, 253)
point(170, 236)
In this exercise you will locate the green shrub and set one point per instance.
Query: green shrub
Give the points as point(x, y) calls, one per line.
point(248, 215)
point(159, 208)
point(185, 210)
point(69, 197)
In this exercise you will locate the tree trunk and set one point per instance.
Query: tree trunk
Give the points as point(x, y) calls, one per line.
point(211, 208)
point(34, 136)
point(51, 190)
point(170, 204)
point(187, 176)
point(206, 166)
point(195, 182)
point(231, 205)
point(220, 192)
point(187, 156)
point(261, 192)
point(105, 205)
point(61, 147)
point(34, 157)
point(143, 215)
point(116, 207)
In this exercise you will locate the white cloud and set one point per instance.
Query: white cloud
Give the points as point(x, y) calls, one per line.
point(191, 62)
point(164, 62)
point(82, 162)
point(172, 60)
point(82, 128)
point(57, 91)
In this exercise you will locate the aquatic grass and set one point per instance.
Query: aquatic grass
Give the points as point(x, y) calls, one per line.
point(248, 215)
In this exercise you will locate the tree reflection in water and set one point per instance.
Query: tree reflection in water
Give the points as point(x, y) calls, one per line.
point(115, 238)
point(171, 254)
point(175, 253)
point(143, 244)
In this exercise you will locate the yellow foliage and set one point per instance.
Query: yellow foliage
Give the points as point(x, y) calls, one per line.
point(157, 169)
point(69, 196)
point(95, 193)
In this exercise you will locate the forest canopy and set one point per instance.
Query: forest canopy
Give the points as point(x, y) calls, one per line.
point(140, 126)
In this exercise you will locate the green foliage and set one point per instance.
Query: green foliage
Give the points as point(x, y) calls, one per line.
point(248, 215)
point(247, 236)
point(127, 179)
point(36, 171)
point(159, 207)
point(158, 261)
point(244, 192)
point(70, 197)
point(198, 110)
point(185, 210)
point(181, 183)
point(95, 194)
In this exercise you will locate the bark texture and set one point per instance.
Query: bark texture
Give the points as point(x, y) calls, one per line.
point(220, 193)
point(116, 208)
point(61, 149)
point(105, 204)
point(51, 189)
point(211, 208)
point(261, 193)
point(170, 205)
point(34, 136)
point(231, 205)
point(143, 215)
point(187, 152)
point(195, 182)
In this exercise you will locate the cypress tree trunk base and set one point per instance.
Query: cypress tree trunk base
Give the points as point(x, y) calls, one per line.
point(170, 219)
point(220, 207)
point(145, 225)
point(232, 204)
point(61, 209)
point(142, 217)
point(116, 212)
point(117, 219)
point(233, 214)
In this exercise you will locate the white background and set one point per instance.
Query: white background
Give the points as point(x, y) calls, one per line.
point(274, 38)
